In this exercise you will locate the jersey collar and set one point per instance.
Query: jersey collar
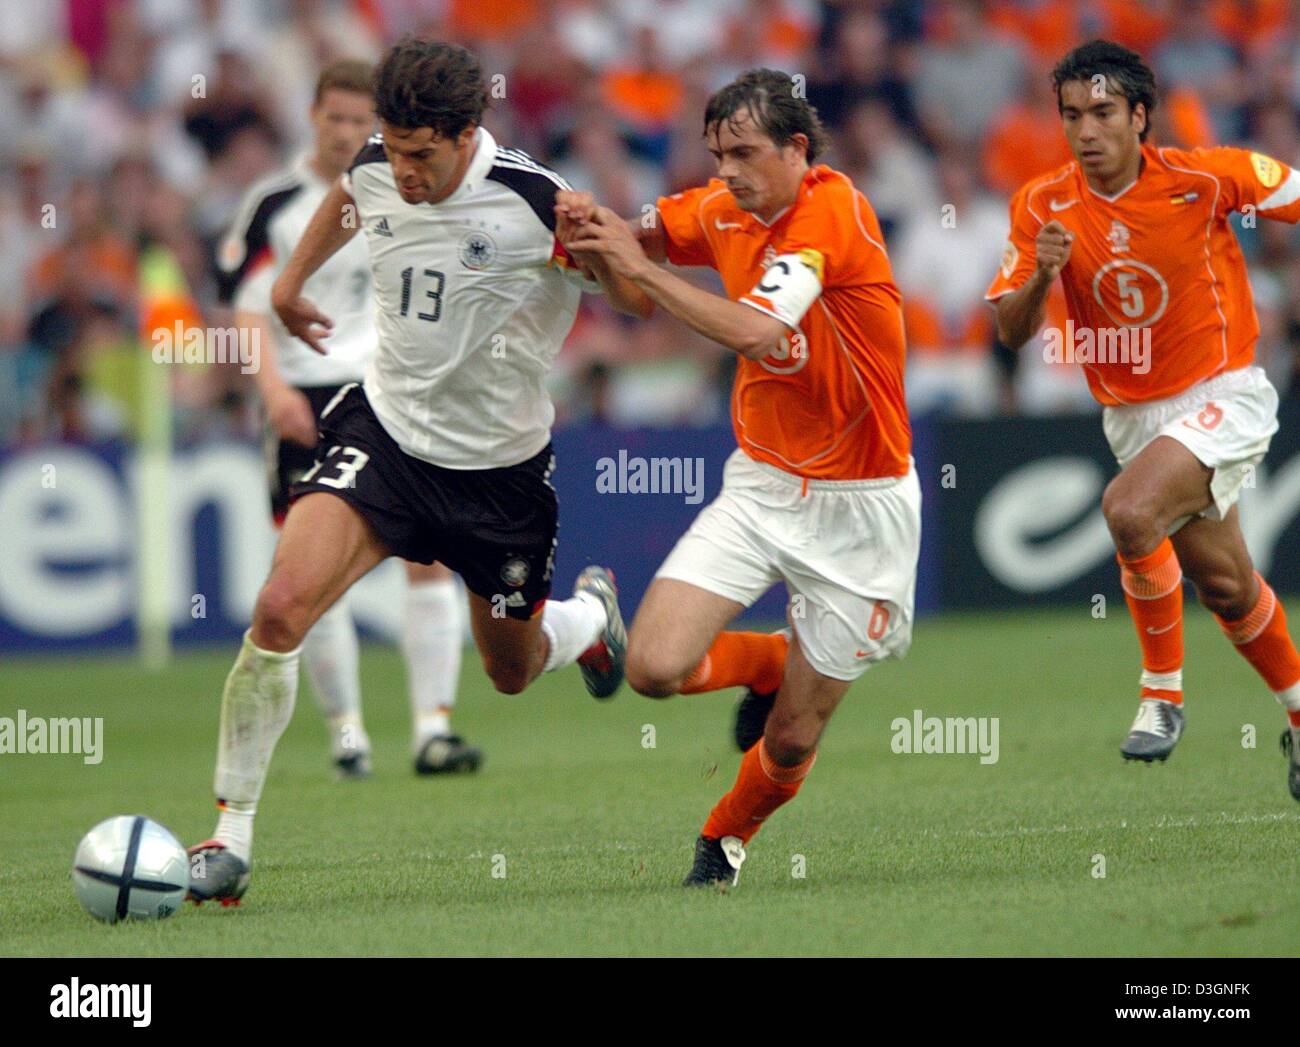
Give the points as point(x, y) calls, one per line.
point(485, 154)
point(1148, 152)
point(304, 168)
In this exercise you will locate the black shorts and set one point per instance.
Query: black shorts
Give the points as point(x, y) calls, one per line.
point(287, 461)
point(494, 527)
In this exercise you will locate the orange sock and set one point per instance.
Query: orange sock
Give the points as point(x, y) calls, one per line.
point(1153, 588)
point(1263, 640)
point(754, 660)
point(761, 787)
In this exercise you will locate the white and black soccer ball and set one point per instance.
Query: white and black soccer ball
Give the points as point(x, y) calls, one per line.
point(130, 867)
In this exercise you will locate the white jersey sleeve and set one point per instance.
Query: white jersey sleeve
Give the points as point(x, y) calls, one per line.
point(253, 295)
point(247, 247)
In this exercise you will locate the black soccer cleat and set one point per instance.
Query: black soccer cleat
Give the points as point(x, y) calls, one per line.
point(1292, 751)
point(753, 709)
point(602, 662)
point(352, 766)
point(717, 862)
point(448, 754)
point(216, 874)
point(751, 718)
point(1155, 731)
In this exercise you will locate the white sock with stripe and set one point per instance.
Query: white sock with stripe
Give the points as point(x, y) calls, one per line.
point(256, 707)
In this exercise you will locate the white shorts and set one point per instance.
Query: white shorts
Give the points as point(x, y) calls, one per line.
point(846, 550)
point(1226, 421)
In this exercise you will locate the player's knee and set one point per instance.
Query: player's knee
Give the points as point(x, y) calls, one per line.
point(508, 677)
point(789, 744)
point(1132, 522)
point(281, 616)
point(650, 675)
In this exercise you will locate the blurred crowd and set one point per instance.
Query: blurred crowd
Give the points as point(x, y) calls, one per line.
point(129, 122)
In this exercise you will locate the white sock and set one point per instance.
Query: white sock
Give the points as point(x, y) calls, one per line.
point(331, 657)
point(571, 626)
point(256, 707)
point(1290, 698)
point(1163, 681)
point(235, 828)
point(433, 637)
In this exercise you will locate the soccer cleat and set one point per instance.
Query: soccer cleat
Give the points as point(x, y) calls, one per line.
point(352, 766)
point(216, 874)
point(1155, 732)
point(751, 718)
point(447, 754)
point(1291, 747)
point(602, 662)
point(753, 709)
point(717, 862)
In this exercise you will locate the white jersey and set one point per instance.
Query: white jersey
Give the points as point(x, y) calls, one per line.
point(473, 298)
point(270, 222)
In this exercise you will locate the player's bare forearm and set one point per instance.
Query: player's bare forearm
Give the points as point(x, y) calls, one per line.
point(1021, 313)
point(620, 292)
point(740, 328)
point(267, 376)
point(651, 237)
point(332, 226)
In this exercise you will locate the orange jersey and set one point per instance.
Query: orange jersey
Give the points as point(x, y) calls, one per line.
point(829, 404)
point(1158, 257)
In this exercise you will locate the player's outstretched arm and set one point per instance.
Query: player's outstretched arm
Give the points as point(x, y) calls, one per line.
point(739, 327)
point(1021, 313)
point(333, 225)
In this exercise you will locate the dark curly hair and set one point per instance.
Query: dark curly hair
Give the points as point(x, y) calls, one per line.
point(426, 83)
point(1125, 72)
point(775, 104)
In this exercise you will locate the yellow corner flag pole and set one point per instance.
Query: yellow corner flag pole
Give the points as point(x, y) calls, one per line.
point(165, 306)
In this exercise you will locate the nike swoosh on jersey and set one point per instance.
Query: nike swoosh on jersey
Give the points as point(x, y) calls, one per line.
point(1059, 205)
point(718, 223)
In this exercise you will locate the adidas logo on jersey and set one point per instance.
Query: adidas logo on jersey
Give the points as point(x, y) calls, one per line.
point(382, 228)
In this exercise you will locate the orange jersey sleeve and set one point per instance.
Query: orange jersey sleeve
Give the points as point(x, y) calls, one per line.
point(1018, 254)
point(1247, 180)
point(685, 241)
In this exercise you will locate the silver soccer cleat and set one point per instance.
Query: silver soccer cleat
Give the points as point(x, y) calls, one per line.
point(1155, 731)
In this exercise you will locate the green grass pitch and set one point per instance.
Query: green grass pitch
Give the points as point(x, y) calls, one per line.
point(902, 854)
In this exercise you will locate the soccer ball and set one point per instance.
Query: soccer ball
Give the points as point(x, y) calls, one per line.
point(130, 866)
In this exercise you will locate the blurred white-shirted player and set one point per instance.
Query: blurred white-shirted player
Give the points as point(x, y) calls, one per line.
point(297, 383)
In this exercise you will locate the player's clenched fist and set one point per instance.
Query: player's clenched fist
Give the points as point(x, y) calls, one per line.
point(1052, 248)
